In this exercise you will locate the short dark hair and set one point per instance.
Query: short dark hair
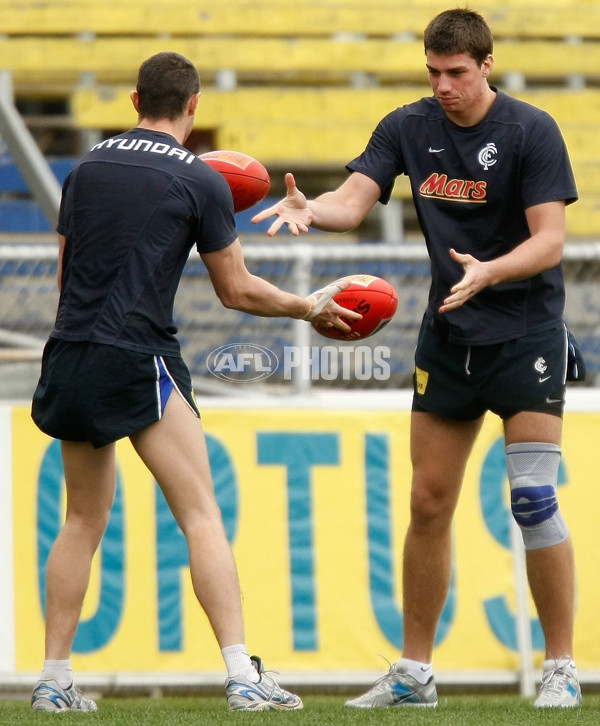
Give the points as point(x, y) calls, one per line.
point(459, 31)
point(165, 83)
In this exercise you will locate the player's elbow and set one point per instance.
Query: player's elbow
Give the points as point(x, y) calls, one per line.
point(228, 298)
point(555, 252)
point(234, 295)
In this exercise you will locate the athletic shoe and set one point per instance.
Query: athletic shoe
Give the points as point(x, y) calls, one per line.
point(49, 696)
point(397, 688)
point(560, 687)
point(266, 695)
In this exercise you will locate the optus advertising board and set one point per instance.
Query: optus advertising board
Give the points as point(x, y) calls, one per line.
point(315, 503)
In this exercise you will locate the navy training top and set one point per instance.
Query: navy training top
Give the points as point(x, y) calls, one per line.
point(131, 211)
point(471, 187)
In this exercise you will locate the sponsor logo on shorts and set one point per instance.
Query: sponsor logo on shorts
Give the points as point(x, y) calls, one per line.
point(422, 378)
point(540, 367)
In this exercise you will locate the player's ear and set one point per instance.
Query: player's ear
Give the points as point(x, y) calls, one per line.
point(133, 95)
point(193, 103)
point(487, 65)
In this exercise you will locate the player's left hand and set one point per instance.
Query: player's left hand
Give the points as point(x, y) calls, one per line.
point(473, 281)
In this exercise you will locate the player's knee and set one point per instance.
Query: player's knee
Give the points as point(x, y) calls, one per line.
point(430, 508)
point(533, 475)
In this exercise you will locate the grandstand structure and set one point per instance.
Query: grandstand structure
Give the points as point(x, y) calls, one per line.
point(299, 85)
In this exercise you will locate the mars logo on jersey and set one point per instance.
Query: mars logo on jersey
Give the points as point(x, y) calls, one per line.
point(438, 186)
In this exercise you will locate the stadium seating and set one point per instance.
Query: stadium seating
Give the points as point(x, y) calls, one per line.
point(526, 18)
point(292, 42)
point(301, 60)
point(302, 84)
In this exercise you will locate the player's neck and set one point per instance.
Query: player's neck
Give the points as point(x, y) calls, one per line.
point(165, 126)
point(477, 112)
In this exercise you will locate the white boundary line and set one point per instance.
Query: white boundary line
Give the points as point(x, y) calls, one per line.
point(579, 399)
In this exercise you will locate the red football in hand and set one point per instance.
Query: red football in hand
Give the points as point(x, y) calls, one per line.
point(374, 298)
point(248, 179)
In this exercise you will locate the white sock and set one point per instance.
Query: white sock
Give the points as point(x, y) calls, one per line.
point(59, 671)
point(238, 663)
point(421, 672)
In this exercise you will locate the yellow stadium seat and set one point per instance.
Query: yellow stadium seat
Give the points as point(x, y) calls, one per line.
point(532, 18)
point(287, 61)
point(302, 84)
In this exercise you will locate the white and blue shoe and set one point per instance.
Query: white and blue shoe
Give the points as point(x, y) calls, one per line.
point(49, 696)
point(266, 695)
point(397, 688)
point(560, 686)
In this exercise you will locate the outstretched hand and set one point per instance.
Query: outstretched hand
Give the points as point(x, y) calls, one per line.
point(292, 210)
point(474, 280)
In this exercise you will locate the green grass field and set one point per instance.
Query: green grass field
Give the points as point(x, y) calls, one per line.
point(476, 710)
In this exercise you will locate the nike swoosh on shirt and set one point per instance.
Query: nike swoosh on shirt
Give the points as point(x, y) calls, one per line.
point(435, 151)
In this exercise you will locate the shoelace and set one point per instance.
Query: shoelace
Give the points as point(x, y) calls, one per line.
point(265, 679)
point(77, 696)
point(555, 682)
point(382, 678)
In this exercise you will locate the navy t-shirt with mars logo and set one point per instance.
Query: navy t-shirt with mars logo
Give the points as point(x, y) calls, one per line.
point(131, 211)
point(471, 187)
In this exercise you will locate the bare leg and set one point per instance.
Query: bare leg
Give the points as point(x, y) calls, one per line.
point(439, 452)
point(174, 450)
point(551, 571)
point(90, 478)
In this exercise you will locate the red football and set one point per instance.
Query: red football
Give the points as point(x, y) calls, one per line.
point(374, 298)
point(248, 179)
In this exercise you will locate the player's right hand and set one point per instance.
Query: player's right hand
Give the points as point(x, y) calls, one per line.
point(326, 312)
point(292, 210)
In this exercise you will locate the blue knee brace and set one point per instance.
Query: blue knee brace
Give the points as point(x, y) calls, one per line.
point(532, 469)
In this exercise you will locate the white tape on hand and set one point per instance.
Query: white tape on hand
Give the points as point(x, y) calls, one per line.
point(319, 298)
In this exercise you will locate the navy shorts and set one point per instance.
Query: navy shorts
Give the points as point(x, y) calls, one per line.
point(462, 382)
point(101, 393)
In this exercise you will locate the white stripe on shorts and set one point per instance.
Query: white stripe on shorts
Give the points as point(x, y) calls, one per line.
point(162, 372)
